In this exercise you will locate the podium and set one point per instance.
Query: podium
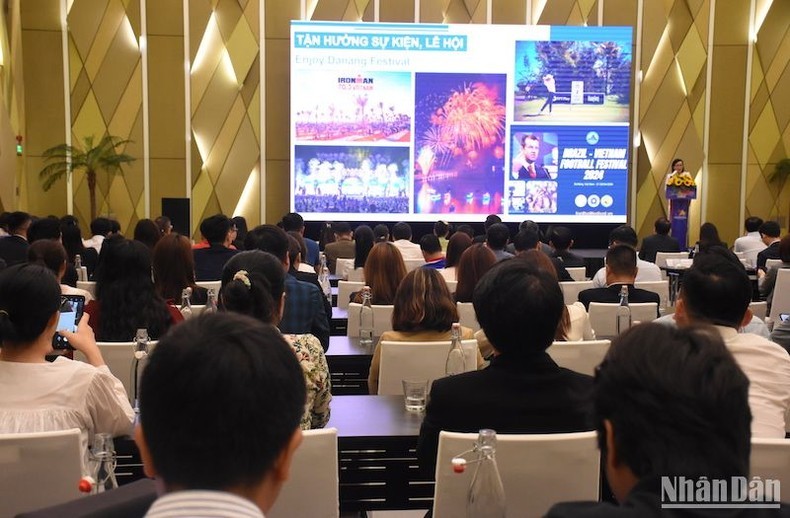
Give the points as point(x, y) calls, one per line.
point(681, 189)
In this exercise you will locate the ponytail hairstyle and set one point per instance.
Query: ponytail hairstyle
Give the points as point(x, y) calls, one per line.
point(29, 297)
point(253, 283)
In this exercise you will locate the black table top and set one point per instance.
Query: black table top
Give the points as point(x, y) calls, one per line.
point(349, 346)
point(339, 313)
point(373, 416)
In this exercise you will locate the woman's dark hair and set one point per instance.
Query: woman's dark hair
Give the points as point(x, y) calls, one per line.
point(29, 297)
point(675, 161)
point(296, 246)
point(125, 292)
point(47, 253)
point(71, 236)
point(327, 235)
point(381, 233)
point(147, 232)
point(241, 231)
point(363, 243)
point(423, 303)
point(475, 262)
point(709, 236)
point(384, 271)
point(164, 224)
point(173, 265)
point(256, 293)
point(456, 246)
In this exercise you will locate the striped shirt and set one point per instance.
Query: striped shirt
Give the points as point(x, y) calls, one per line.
point(203, 504)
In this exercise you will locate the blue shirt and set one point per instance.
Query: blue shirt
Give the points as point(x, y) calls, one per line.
point(304, 311)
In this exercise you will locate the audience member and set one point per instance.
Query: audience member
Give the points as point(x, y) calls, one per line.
point(241, 231)
point(717, 291)
point(529, 239)
point(497, 237)
point(491, 219)
point(467, 229)
point(661, 241)
point(523, 390)
point(769, 233)
point(432, 252)
point(363, 243)
point(544, 247)
point(4, 223)
point(174, 270)
point(620, 271)
point(326, 235)
point(71, 236)
point(13, 247)
point(219, 233)
point(767, 280)
point(688, 418)
point(296, 270)
point(474, 263)
point(750, 244)
point(242, 374)
point(384, 271)
point(101, 227)
point(342, 248)
point(164, 224)
point(401, 235)
point(646, 271)
point(125, 297)
point(709, 237)
point(424, 312)
point(381, 233)
point(51, 255)
point(293, 221)
point(253, 284)
point(147, 232)
point(561, 239)
point(456, 246)
point(304, 310)
point(441, 229)
point(44, 228)
point(41, 396)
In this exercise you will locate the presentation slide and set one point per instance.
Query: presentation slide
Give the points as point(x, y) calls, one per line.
point(418, 122)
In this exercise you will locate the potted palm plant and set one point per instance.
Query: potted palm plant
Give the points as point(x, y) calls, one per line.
point(89, 158)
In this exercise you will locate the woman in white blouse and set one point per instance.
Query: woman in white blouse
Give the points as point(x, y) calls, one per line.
point(37, 395)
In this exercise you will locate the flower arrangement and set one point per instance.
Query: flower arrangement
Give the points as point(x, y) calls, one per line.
point(681, 186)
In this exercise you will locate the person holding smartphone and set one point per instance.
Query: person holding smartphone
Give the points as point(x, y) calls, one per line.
point(37, 395)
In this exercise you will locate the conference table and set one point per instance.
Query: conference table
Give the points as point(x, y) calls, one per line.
point(349, 364)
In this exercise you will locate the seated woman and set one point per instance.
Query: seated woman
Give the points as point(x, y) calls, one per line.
point(384, 271)
point(456, 246)
point(71, 237)
point(363, 244)
point(475, 262)
point(253, 284)
point(51, 255)
point(424, 312)
point(37, 395)
point(125, 296)
point(174, 269)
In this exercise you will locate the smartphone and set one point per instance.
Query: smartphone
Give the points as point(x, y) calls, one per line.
point(71, 307)
point(784, 316)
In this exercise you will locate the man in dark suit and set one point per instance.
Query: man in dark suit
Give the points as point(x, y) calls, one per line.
point(342, 248)
point(13, 248)
point(529, 239)
point(672, 404)
point(523, 390)
point(561, 239)
point(219, 231)
point(661, 241)
point(769, 233)
point(295, 251)
point(620, 271)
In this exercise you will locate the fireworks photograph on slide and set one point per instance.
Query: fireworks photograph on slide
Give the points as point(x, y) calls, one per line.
point(459, 143)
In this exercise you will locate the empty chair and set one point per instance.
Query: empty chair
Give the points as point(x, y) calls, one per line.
point(344, 291)
point(770, 458)
point(659, 287)
point(537, 470)
point(382, 319)
point(467, 316)
point(759, 309)
point(418, 361)
point(89, 286)
point(603, 316)
point(571, 289)
point(781, 301)
point(215, 285)
point(314, 468)
point(119, 357)
point(582, 356)
point(772, 263)
point(661, 257)
point(411, 264)
point(39, 469)
point(577, 273)
point(344, 266)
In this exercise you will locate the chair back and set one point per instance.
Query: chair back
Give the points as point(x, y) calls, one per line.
point(661, 257)
point(343, 266)
point(571, 289)
point(314, 467)
point(39, 469)
point(452, 285)
point(537, 470)
point(467, 316)
point(781, 301)
point(770, 458)
point(412, 264)
point(582, 356)
point(418, 361)
point(344, 291)
point(210, 285)
point(603, 316)
point(577, 273)
point(119, 357)
point(759, 309)
point(771, 263)
point(382, 319)
point(89, 286)
point(659, 287)
point(356, 275)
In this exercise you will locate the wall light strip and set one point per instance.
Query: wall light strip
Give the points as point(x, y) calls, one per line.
point(747, 96)
point(187, 113)
point(64, 40)
point(640, 11)
point(706, 124)
point(146, 129)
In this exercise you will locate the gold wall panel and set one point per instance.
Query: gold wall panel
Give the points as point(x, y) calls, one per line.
point(397, 10)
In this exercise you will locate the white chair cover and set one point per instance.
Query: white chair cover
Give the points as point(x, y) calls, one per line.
point(577, 273)
point(571, 289)
point(382, 319)
point(418, 361)
point(603, 317)
point(467, 316)
point(119, 357)
point(344, 291)
point(781, 301)
point(583, 356)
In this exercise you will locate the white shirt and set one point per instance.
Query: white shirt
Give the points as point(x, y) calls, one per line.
point(203, 504)
point(750, 245)
point(408, 249)
point(64, 394)
point(94, 242)
point(646, 272)
point(580, 328)
point(767, 365)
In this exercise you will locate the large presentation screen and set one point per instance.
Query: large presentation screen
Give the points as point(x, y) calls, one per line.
point(420, 122)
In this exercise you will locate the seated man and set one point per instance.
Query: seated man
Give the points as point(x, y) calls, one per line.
point(342, 248)
point(219, 233)
point(523, 390)
point(717, 291)
point(621, 271)
point(689, 418)
point(769, 233)
point(401, 238)
point(432, 252)
point(497, 237)
point(220, 404)
point(561, 239)
point(661, 241)
point(529, 239)
point(625, 235)
point(750, 244)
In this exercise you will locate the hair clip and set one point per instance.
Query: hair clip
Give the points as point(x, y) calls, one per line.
point(242, 276)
